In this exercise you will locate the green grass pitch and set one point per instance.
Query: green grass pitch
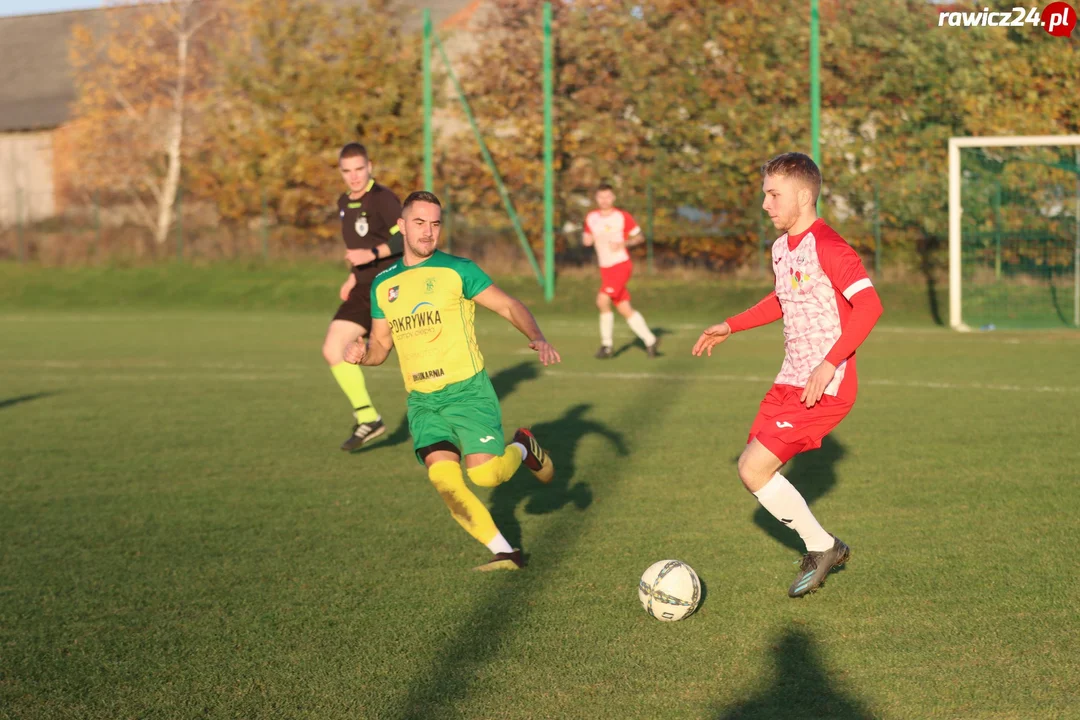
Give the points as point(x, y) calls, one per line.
point(181, 538)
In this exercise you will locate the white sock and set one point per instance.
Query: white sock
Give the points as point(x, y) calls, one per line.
point(522, 449)
point(641, 328)
point(607, 329)
point(498, 544)
point(785, 503)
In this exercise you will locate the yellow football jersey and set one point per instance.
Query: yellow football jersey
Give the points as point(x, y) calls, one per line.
point(430, 310)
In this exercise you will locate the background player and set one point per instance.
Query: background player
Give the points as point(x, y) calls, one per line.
point(369, 213)
point(829, 306)
point(424, 304)
point(611, 231)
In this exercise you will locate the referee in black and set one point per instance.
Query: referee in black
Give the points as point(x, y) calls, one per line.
point(369, 213)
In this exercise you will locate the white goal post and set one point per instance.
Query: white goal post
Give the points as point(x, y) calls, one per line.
point(956, 211)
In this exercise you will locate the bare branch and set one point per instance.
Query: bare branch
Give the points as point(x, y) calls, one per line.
point(147, 216)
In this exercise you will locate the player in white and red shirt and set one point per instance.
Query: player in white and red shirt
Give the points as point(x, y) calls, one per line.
point(828, 305)
point(611, 231)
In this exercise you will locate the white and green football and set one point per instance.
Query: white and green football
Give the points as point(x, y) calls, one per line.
point(669, 590)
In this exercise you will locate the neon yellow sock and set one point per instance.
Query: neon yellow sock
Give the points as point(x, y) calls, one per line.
point(351, 380)
point(465, 507)
point(497, 470)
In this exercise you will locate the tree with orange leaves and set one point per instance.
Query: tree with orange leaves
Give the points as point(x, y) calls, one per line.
point(135, 82)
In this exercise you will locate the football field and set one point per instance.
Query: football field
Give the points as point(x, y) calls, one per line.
point(180, 536)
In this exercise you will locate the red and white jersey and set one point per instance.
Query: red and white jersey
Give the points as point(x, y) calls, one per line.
point(817, 274)
point(610, 233)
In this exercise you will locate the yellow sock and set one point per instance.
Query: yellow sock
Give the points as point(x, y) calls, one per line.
point(351, 380)
point(465, 507)
point(497, 470)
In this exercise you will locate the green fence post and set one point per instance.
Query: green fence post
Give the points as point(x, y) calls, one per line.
point(549, 163)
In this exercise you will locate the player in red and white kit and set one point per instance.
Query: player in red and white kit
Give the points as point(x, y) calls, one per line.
point(829, 306)
point(611, 231)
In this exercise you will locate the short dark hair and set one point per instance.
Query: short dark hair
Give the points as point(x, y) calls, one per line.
point(798, 166)
point(604, 186)
point(419, 196)
point(352, 150)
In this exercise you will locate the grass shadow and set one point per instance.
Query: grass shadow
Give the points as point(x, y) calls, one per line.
point(561, 438)
point(505, 382)
point(1057, 304)
point(498, 606)
point(800, 687)
point(636, 342)
point(927, 254)
point(814, 475)
point(19, 399)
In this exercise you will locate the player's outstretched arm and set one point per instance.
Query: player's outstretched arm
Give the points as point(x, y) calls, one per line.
point(710, 338)
point(377, 347)
point(519, 316)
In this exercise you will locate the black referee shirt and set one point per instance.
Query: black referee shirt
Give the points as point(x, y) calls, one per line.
point(371, 221)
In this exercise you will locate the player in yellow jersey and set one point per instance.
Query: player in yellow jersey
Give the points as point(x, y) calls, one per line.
point(424, 304)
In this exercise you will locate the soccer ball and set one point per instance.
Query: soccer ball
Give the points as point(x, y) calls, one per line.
point(669, 590)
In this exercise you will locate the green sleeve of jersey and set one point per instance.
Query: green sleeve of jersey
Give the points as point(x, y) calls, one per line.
point(376, 311)
point(473, 279)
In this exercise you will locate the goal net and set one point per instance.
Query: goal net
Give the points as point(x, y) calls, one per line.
point(1014, 232)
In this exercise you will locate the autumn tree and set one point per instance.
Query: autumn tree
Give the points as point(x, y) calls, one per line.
point(299, 79)
point(691, 96)
point(135, 82)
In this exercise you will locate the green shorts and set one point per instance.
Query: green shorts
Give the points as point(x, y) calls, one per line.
point(464, 413)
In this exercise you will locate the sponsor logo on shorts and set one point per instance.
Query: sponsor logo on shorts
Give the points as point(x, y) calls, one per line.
point(487, 439)
point(784, 424)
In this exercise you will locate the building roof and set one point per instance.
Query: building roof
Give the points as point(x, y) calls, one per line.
point(36, 82)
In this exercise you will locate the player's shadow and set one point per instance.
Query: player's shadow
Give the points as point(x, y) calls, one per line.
point(800, 687)
point(813, 474)
point(505, 382)
point(637, 343)
point(19, 399)
point(1057, 305)
point(560, 437)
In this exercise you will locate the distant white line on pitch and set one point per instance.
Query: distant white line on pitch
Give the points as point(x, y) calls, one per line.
point(925, 384)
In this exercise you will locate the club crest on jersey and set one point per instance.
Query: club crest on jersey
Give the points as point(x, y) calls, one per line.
point(392, 293)
point(362, 226)
point(429, 286)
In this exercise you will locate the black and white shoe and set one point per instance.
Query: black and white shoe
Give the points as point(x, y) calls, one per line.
point(650, 350)
point(503, 561)
point(363, 433)
point(604, 353)
point(815, 567)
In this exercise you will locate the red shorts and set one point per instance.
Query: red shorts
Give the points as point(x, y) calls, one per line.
point(613, 281)
point(786, 427)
